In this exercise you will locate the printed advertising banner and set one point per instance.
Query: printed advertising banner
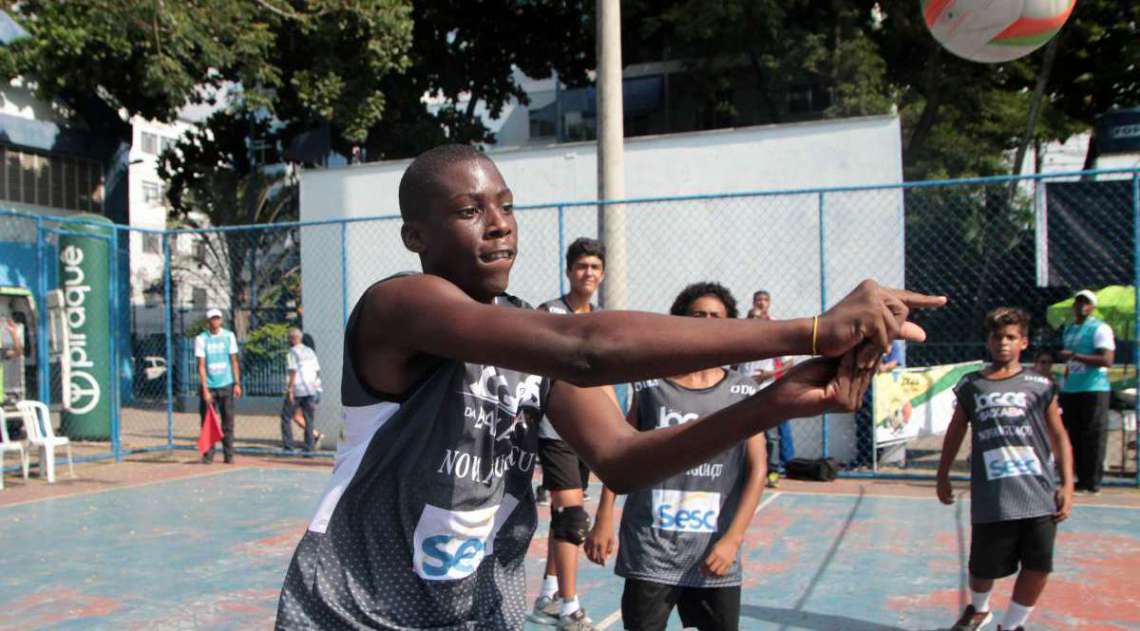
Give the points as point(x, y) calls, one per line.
point(916, 402)
point(84, 268)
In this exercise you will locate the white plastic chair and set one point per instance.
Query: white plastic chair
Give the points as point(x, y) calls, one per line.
point(37, 423)
point(7, 444)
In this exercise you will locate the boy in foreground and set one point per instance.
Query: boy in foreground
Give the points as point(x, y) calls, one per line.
point(430, 509)
point(1015, 502)
point(680, 538)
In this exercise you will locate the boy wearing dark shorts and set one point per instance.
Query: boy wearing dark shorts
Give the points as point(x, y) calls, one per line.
point(565, 476)
point(1015, 500)
point(680, 539)
point(429, 512)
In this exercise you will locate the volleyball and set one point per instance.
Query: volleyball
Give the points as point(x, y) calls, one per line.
point(993, 31)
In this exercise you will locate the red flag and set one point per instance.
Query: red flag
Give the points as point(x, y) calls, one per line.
point(211, 431)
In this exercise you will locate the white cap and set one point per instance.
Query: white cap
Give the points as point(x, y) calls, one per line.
point(1087, 295)
point(213, 313)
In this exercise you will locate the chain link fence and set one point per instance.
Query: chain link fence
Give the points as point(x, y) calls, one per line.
point(1028, 242)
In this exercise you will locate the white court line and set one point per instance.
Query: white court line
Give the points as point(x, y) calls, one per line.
point(768, 500)
point(960, 495)
point(609, 620)
point(127, 487)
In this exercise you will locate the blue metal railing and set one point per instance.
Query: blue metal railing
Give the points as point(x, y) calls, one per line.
point(268, 377)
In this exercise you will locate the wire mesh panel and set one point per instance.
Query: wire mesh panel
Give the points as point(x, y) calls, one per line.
point(20, 271)
point(253, 277)
point(146, 366)
point(1029, 243)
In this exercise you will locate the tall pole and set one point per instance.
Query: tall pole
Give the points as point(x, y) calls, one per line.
point(611, 162)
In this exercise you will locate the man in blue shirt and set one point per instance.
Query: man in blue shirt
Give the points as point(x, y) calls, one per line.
point(219, 376)
point(1089, 349)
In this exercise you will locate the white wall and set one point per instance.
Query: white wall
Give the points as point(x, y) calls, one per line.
point(746, 243)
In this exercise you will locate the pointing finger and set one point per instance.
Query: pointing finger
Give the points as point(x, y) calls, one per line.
point(916, 300)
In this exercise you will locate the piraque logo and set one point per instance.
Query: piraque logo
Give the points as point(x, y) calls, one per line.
point(85, 392)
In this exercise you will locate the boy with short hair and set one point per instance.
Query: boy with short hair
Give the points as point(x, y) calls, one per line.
point(681, 538)
point(564, 475)
point(1015, 502)
point(430, 510)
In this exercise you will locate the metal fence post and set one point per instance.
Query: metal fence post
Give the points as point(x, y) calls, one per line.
point(116, 381)
point(1135, 316)
point(561, 250)
point(168, 334)
point(43, 365)
point(344, 272)
point(826, 435)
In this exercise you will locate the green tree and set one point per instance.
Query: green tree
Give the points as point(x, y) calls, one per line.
point(962, 118)
point(465, 54)
point(215, 183)
point(770, 47)
point(298, 61)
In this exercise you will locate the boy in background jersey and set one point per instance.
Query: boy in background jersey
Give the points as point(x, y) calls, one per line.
point(430, 511)
point(564, 475)
point(1015, 503)
point(680, 539)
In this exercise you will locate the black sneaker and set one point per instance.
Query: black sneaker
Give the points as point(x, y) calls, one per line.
point(1001, 628)
point(972, 619)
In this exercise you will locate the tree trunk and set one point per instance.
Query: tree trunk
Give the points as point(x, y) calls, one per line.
point(933, 93)
point(996, 226)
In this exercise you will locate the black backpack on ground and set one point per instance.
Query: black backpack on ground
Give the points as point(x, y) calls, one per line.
point(817, 470)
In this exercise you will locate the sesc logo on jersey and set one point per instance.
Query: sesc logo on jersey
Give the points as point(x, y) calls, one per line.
point(686, 511)
point(1009, 461)
point(450, 545)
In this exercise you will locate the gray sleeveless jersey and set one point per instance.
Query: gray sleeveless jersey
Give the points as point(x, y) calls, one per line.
point(430, 511)
point(1011, 470)
point(558, 305)
point(668, 530)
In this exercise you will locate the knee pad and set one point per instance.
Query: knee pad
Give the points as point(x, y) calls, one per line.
point(570, 524)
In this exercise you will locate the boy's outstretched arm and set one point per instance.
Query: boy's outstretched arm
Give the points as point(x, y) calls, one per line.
point(626, 459)
point(406, 319)
point(955, 433)
point(1063, 451)
point(601, 541)
point(723, 553)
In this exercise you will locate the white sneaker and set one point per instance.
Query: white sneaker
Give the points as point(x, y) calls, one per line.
point(577, 621)
point(546, 610)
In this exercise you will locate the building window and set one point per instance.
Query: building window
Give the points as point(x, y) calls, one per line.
point(199, 297)
point(152, 192)
point(149, 143)
point(168, 144)
point(152, 243)
point(53, 181)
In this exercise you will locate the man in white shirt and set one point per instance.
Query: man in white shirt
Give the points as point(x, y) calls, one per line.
point(302, 390)
point(219, 376)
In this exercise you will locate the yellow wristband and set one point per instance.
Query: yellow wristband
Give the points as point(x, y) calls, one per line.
point(814, 333)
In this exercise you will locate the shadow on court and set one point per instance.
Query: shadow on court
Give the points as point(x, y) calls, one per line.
point(799, 619)
point(210, 551)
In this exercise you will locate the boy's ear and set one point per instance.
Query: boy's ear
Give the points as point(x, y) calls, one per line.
point(412, 234)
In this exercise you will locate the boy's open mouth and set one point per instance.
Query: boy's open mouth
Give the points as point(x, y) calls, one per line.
point(497, 255)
